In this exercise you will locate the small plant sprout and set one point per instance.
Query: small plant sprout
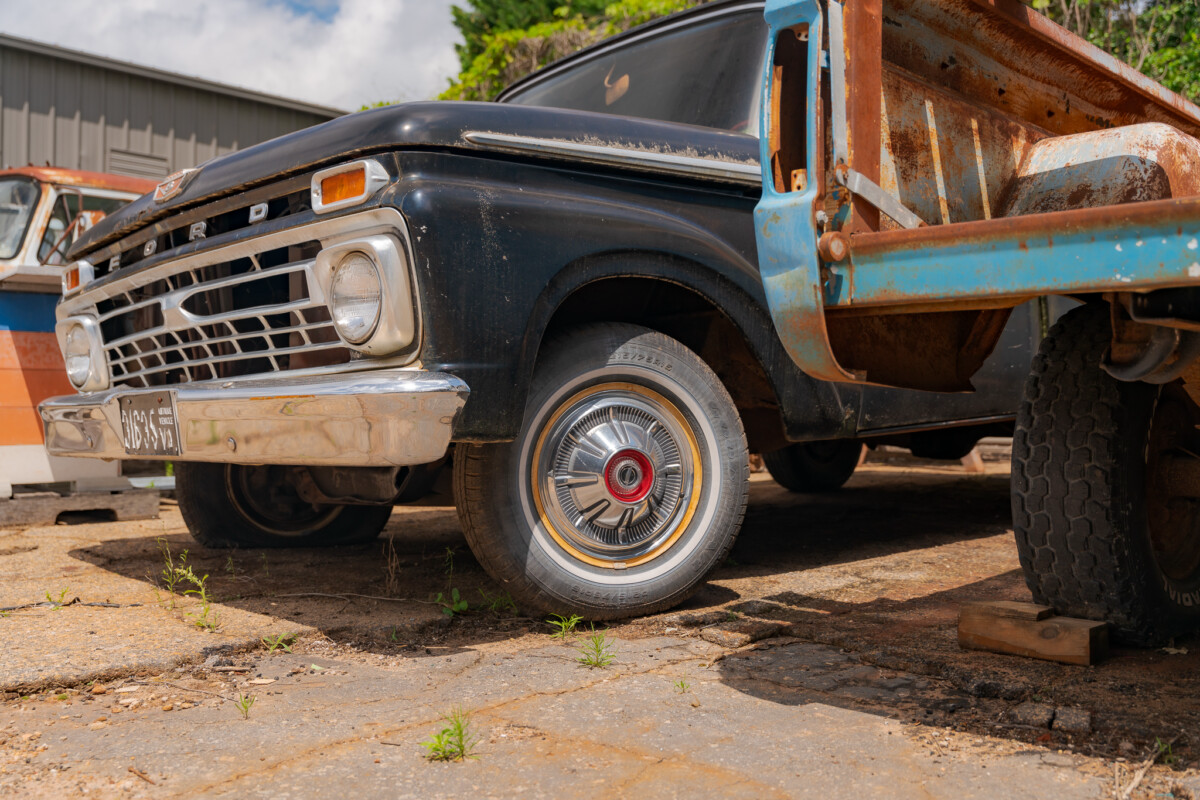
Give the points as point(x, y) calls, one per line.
point(1163, 752)
point(454, 742)
point(172, 573)
point(563, 626)
point(682, 686)
point(244, 703)
point(454, 604)
point(596, 652)
point(230, 567)
point(266, 569)
point(57, 603)
point(204, 618)
point(499, 603)
point(283, 641)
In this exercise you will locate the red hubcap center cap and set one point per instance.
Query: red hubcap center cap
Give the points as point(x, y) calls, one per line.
point(629, 476)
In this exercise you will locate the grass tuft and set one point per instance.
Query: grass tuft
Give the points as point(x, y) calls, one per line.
point(455, 741)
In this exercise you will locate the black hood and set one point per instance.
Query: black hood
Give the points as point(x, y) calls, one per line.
point(411, 125)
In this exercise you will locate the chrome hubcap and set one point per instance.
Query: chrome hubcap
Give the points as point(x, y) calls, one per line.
point(616, 472)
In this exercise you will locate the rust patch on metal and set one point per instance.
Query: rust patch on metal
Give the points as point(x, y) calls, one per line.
point(937, 351)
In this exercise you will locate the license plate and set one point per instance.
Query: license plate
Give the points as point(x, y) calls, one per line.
point(148, 424)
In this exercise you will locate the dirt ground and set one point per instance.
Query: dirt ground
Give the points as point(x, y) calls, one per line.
point(853, 683)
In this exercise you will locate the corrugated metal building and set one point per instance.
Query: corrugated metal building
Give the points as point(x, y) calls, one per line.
point(70, 109)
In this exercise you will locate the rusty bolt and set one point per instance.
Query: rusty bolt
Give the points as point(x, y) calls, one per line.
point(833, 246)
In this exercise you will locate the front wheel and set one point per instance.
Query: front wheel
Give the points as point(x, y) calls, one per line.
point(626, 485)
point(1106, 498)
point(228, 505)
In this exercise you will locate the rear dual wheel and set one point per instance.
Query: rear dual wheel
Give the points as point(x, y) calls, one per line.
point(625, 487)
point(1106, 489)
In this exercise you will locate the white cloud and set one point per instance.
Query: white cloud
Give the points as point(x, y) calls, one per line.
point(343, 54)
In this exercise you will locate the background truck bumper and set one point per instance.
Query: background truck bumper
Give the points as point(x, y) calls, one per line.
point(389, 417)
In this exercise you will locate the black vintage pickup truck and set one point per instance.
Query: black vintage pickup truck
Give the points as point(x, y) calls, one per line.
point(560, 288)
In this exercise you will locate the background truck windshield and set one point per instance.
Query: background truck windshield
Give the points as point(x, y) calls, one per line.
point(704, 74)
point(18, 198)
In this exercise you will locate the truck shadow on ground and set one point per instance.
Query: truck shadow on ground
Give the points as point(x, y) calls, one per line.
point(383, 597)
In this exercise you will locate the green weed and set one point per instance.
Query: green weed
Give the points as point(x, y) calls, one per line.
point(452, 601)
point(563, 626)
point(454, 742)
point(1163, 752)
point(57, 603)
point(499, 603)
point(283, 640)
point(454, 604)
point(596, 652)
point(204, 618)
point(682, 686)
point(244, 703)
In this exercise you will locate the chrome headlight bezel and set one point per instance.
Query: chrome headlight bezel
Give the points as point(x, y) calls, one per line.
point(395, 328)
point(97, 374)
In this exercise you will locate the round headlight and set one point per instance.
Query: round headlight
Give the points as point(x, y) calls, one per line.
point(78, 355)
point(355, 298)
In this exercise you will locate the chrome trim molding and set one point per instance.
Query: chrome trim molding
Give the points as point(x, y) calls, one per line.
point(380, 418)
point(626, 157)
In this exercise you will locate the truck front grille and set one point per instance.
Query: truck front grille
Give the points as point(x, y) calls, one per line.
point(246, 312)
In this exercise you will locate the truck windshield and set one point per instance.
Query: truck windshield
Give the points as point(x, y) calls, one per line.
point(704, 74)
point(18, 198)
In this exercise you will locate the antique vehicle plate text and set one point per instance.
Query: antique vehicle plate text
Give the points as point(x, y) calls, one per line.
point(149, 425)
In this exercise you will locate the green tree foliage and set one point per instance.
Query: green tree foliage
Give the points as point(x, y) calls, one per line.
point(500, 55)
point(1158, 37)
point(482, 18)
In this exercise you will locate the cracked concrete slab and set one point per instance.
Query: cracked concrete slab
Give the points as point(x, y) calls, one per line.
point(858, 688)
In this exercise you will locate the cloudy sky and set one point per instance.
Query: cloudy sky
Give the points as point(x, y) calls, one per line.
point(340, 53)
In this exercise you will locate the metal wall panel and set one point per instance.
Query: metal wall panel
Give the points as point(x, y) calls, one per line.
point(57, 110)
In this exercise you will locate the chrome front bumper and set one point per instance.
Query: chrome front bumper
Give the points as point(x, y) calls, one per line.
point(387, 417)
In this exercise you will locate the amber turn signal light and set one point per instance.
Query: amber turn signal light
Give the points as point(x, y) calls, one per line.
point(75, 276)
point(347, 185)
point(344, 186)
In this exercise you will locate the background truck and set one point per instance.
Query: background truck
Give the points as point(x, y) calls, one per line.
point(42, 212)
point(561, 288)
point(930, 165)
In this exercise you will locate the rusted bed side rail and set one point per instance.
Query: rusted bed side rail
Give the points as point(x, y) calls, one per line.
point(1135, 246)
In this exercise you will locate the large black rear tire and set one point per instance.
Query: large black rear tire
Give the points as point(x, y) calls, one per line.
point(625, 487)
point(811, 467)
point(227, 505)
point(1097, 532)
